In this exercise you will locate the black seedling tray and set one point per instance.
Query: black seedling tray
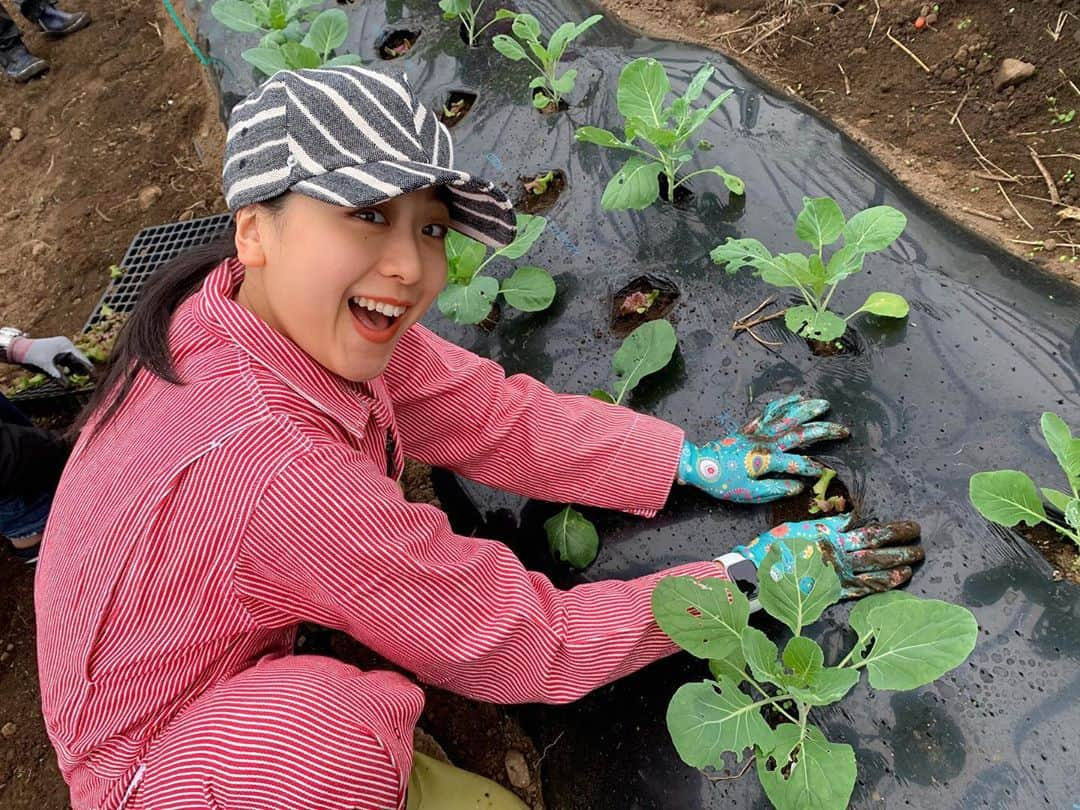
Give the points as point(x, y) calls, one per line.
point(151, 248)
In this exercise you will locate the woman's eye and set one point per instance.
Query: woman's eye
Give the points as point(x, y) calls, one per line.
point(370, 215)
point(438, 231)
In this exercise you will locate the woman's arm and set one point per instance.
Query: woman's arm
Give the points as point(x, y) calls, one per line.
point(333, 541)
point(460, 411)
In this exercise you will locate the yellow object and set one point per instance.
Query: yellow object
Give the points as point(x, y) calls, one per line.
point(434, 785)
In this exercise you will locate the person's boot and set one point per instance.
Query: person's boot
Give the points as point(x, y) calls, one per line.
point(60, 23)
point(19, 64)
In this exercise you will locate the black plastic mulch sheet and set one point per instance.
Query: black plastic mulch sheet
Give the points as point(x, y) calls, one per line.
point(991, 342)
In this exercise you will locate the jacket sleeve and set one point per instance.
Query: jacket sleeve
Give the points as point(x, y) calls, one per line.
point(459, 411)
point(31, 459)
point(334, 541)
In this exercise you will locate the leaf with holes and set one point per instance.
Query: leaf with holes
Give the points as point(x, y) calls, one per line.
point(708, 719)
point(805, 770)
point(636, 185)
point(813, 324)
point(706, 617)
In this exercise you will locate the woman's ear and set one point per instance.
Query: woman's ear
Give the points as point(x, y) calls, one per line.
point(250, 249)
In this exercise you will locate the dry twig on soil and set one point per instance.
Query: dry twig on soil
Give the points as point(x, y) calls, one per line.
point(983, 158)
point(982, 214)
point(959, 107)
point(1072, 84)
point(873, 23)
point(1050, 187)
point(1014, 208)
point(847, 84)
point(906, 50)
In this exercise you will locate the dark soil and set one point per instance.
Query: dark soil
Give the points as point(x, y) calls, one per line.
point(655, 293)
point(904, 115)
point(456, 107)
point(797, 508)
point(532, 203)
point(1060, 551)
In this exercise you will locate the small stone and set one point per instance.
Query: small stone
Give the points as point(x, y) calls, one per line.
point(8, 729)
point(1050, 244)
point(4, 656)
point(985, 66)
point(37, 247)
point(1005, 212)
point(950, 74)
point(17, 134)
point(925, 10)
point(517, 769)
point(860, 51)
point(12, 215)
point(148, 195)
point(1012, 72)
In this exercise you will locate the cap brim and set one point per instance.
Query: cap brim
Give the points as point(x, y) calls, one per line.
point(477, 208)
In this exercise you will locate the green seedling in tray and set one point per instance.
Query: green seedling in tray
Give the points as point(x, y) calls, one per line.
point(287, 44)
point(1009, 497)
point(571, 536)
point(539, 185)
point(469, 296)
point(550, 86)
point(643, 101)
point(761, 699)
point(821, 223)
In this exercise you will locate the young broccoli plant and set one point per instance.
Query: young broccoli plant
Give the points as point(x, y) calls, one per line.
point(1009, 497)
point(642, 100)
point(762, 700)
point(463, 10)
point(549, 87)
point(821, 223)
point(286, 45)
point(571, 536)
point(469, 296)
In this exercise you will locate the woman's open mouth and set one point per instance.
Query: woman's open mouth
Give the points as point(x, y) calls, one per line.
point(376, 319)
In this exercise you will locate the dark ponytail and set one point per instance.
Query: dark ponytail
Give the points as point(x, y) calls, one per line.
point(143, 341)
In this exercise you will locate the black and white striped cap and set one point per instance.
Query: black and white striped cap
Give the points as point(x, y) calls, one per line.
point(355, 137)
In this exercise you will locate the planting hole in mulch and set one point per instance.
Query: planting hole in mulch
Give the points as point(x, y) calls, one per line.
point(492, 320)
point(562, 106)
point(683, 194)
point(395, 44)
point(540, 191)
point(646, 298)
point(1061, 552)
point(457, 105)
point(798, 507)
point(847, 344)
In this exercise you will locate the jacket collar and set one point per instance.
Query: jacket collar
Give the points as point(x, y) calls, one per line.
point(347, 403)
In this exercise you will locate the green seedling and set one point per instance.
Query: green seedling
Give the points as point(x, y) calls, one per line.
point(1068, 177)
point(760, 699)
point(463, 10)
point(642, 100)
point(1009, 497)
point(454, 110)
point(571, 536)
point(821, 505)
point(549, 87)
point(24, 383)
point(286, 43)
point(115, 272)
point(539, 185)
point(821, 223)
point(469, 296)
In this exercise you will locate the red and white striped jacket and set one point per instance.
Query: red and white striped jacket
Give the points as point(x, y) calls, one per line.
point(194, 533)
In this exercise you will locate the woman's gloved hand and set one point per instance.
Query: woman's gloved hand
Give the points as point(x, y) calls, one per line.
point(49, 355)
point(731, 469)
point(869, 559)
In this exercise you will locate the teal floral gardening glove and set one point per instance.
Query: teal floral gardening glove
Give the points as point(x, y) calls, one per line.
point(731, 469)
point(869, 559)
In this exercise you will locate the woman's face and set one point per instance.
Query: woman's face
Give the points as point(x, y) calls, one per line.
point(343, 283)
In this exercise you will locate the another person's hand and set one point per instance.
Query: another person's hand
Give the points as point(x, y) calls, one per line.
point(869, 559)
point(731, 469)
point(51, 355)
